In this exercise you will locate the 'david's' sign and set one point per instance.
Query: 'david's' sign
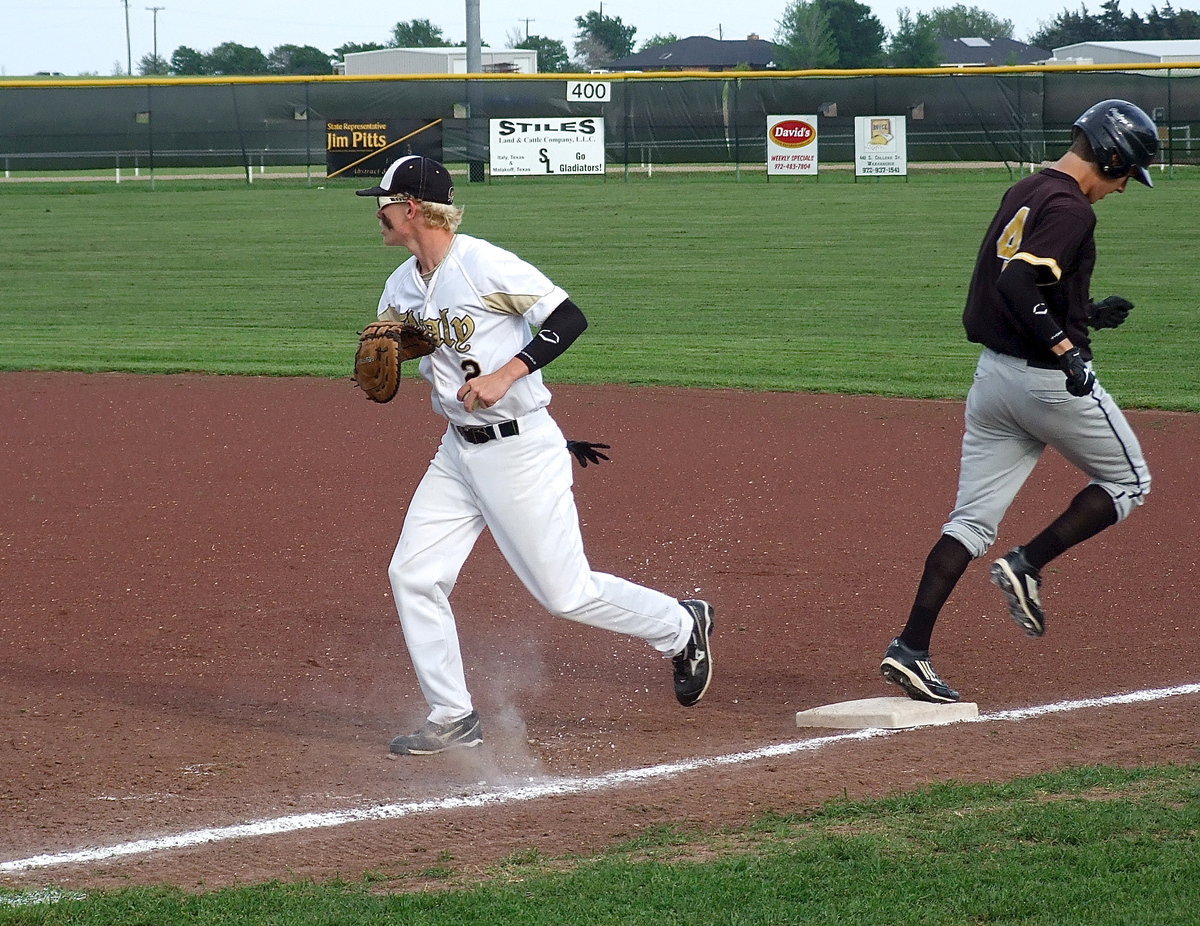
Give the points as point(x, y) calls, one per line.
point(791, 144)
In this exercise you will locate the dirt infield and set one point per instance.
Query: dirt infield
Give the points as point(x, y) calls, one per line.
point(197, 630)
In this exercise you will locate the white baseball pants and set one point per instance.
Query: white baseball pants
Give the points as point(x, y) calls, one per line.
point(520, 487)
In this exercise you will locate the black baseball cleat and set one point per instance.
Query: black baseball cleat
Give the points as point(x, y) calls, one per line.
point(1022, 585)
point(693, 664)
point(438, 737)
point(911, 670)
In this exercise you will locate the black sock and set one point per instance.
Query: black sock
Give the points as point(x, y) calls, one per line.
point(1090, 512)
point(944, 566)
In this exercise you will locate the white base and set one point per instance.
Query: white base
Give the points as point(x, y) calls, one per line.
point(885, 713)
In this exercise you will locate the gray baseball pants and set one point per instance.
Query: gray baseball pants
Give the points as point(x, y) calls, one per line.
point(1014, 411)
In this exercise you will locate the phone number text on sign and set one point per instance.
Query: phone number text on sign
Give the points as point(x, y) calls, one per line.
point(547, 146)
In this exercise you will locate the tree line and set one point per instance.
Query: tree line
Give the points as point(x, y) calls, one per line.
point(601, 39)
point(810, 34)
point(231, 58)
point(846, 34)
point(1111, 25)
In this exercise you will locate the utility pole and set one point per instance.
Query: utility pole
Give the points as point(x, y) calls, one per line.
point(128, 44)
point(476, 137)
point(527, 22)
point(154, 10)
point(474, 45)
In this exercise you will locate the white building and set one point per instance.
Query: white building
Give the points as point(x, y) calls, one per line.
point(1157, 51)
point(437, 61)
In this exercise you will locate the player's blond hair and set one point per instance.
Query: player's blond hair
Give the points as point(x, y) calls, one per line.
point(438, 215)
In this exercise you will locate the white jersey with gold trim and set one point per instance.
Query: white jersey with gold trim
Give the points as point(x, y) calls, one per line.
point(481, 304)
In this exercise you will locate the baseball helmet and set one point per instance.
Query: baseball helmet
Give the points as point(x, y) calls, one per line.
point(1123, 138)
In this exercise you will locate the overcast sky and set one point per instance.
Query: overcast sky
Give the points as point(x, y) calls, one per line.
point(89, 36)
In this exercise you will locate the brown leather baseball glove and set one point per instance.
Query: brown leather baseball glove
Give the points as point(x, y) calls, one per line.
point(382, 347)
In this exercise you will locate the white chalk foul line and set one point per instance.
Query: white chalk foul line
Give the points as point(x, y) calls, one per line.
point(552, 788)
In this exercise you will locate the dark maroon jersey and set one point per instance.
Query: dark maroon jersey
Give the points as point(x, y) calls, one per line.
point(1046, 221)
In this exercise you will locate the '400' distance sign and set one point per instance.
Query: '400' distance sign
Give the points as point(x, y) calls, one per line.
point(545, 146)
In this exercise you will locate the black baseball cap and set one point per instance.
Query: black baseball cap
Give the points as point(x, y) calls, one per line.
point(416, 176)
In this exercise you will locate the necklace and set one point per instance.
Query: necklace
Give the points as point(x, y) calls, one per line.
point(431, 278)
point(427, 275)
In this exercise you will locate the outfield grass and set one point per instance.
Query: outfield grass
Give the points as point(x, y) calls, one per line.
point(824, 285)
point(693, 280)
point(1090, 846)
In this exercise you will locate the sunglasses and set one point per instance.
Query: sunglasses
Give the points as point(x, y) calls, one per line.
point(388, 200)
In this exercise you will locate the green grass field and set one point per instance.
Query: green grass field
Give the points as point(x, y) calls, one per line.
point(1087, 847)
point(693, 280)
point(690, 280)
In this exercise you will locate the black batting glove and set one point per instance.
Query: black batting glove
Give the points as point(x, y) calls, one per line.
point(586, 452)
point(1108, 313)
point(1080, 377)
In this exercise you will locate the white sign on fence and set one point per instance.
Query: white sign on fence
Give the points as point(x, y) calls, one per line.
point(550, 145)
point(880, 146)
point(589, 91)
point(792, 144)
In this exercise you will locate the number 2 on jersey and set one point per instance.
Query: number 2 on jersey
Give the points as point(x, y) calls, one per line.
point(1009, 242)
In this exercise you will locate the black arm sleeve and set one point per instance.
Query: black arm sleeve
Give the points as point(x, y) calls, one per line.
point(558, 332)
point(1018, 286)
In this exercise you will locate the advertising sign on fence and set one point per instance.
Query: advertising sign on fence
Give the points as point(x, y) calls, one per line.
point(550, 145)
point(365, 149)
point(880, 146)
point(792, 144)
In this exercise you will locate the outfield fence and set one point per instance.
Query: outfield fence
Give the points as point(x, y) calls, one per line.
point(1008, 115)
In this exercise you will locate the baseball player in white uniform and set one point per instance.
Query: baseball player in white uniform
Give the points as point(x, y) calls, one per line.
point(502, 462)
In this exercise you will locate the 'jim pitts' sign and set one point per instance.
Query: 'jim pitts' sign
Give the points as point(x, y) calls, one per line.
point(355, 149)
point(355, 136)
point(547, 146)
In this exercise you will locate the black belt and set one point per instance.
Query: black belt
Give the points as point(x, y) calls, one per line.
point(1042, 365)
point(481, 434)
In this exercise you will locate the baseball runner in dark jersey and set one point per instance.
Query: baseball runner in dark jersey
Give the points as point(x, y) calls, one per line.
point(1029, 305)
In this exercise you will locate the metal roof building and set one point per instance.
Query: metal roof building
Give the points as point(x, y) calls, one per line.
point(1155, 51)
point(437, 61)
